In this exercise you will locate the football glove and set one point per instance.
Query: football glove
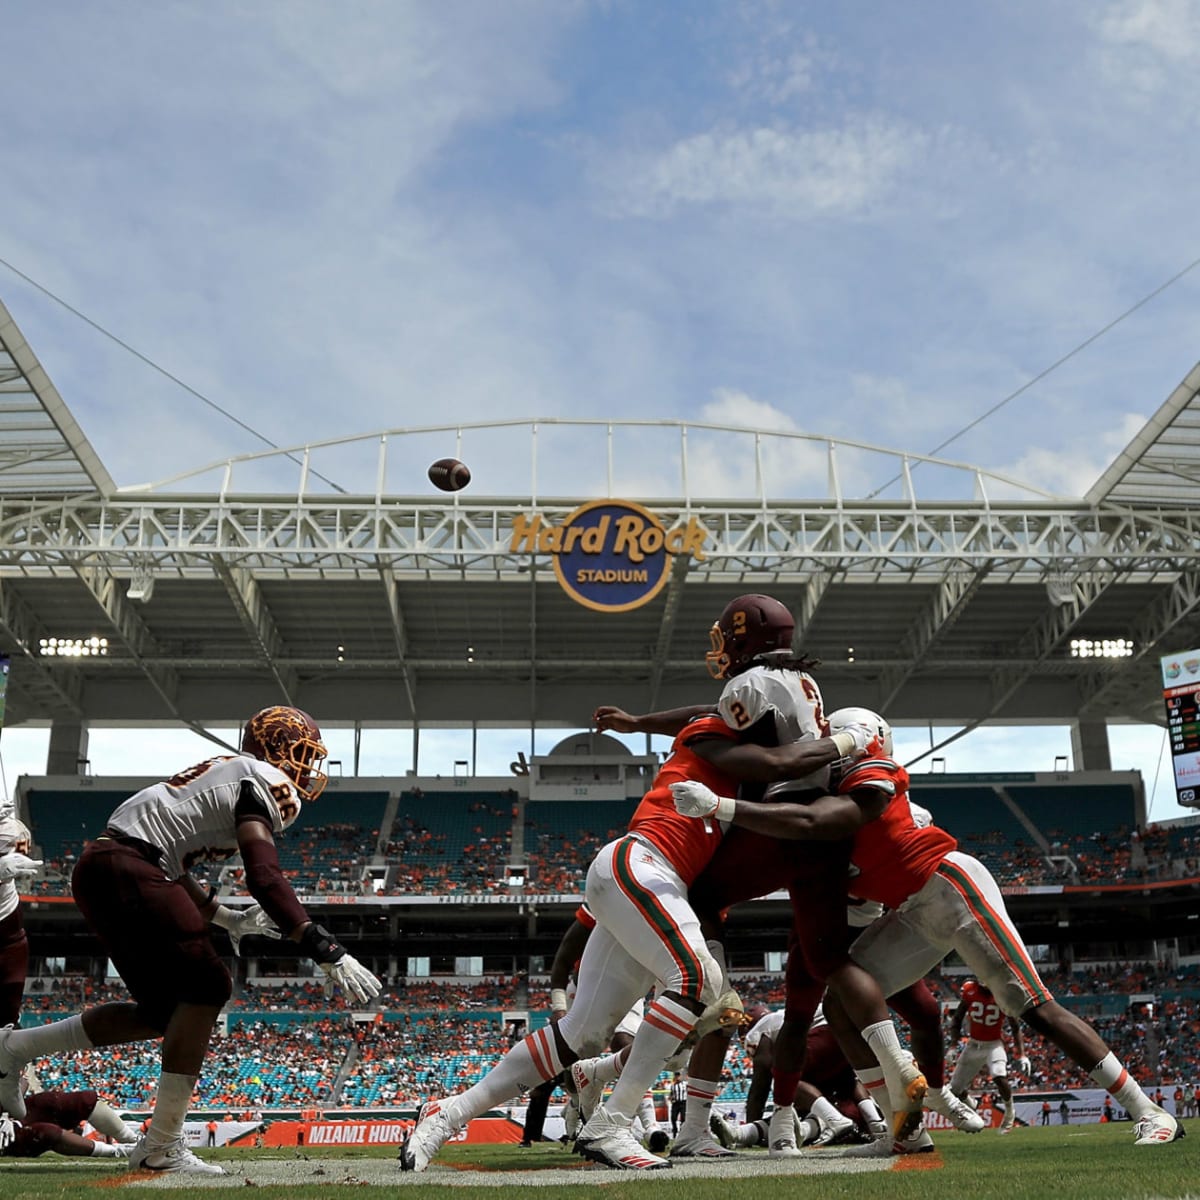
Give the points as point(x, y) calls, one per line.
point(353, 978)
point(856, 741)
point(1024, 1065)
point(8, 1131)
point(694, 799)
point(240, 923)
point(16, 864)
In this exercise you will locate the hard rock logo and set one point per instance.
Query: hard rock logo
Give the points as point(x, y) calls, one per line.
point(609, 555)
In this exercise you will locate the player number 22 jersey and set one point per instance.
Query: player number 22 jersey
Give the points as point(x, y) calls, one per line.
point(190, 817)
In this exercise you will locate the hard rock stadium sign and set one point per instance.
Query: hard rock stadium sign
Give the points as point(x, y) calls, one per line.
point(609, 555)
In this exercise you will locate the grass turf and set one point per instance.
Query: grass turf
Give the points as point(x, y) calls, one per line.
point(1080, 1162)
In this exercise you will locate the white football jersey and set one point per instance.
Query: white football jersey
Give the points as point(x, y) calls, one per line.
point(769, 1026)
point(792, 698)
point(13, 836)
point(190, 817)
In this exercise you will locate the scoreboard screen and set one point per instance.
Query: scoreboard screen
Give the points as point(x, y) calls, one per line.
point(1181, 695)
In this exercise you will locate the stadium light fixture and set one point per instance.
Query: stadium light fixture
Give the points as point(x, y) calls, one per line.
point(1101, 648)
point(56, 647)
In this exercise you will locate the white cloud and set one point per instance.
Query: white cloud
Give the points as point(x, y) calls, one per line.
point(789, 172)
point(1151, 44)
point(1071, 470)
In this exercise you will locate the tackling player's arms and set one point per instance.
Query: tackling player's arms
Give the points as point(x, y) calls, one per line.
point(825, 819)
point(766, 764)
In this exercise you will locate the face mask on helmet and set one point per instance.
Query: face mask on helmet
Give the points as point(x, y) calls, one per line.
point(751, 628)
point(290, 740)
point(842, 717)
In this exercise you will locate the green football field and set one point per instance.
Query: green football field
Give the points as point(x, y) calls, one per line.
point(1082, 1162)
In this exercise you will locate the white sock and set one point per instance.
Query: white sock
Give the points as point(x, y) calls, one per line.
point(666, 1024)
point(106, 1120)
point(870, 1111)
point(41, 1041)
point(647, 1115)
point(531, 1061)
point(170, 1108)
point(872, 1079)
point(809, 1128)
point(825, 1112)
point(605, 1068)
point(104, 1150)
point(1124, 1089)
point(700, 1096)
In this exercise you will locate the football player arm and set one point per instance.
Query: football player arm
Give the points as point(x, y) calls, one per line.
point(769, 764)
point(826, 819)
point(567, 955)
point(265, 879)
point(668, 722)
point(1019, 1055)
point(760, 1082)
point(956, 1021)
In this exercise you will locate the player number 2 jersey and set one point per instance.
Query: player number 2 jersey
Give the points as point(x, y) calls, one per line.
point(787, 702)
point(190, 817)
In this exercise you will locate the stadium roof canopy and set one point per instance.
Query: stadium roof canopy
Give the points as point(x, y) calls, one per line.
point(932, 590)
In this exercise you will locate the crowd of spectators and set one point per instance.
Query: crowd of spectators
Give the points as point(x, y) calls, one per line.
point(489, 993)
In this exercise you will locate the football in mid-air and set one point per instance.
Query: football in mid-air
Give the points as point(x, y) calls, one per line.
point(449, 474)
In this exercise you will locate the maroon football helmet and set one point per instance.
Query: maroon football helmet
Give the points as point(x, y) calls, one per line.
point(749, 628)
point(290, 740)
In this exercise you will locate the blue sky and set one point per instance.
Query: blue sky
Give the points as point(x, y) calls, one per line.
point(870, 221)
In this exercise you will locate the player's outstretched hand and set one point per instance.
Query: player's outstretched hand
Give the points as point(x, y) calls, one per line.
point(16, 864)
point(608, 717)
point(694, 799)
point(353, 978)
point(249, 922)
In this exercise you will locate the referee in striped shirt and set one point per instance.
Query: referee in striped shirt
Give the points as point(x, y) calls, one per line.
point(678, 1103)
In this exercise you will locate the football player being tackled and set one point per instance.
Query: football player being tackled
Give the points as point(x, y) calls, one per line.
point(940, 900)
point(770, 701)
point(133, 887)
point(646, 932)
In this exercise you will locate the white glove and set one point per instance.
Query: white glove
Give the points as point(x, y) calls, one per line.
point(856, 740)
point(353, 978)
point(15, 863)
point(8, 1131)
point(240, 923)
point(698, 800)
point(1024, 1065)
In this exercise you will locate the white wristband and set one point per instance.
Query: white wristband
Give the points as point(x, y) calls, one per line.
point(223, 916)
point(726, 807)
point(844, 742)
point(558, 1000)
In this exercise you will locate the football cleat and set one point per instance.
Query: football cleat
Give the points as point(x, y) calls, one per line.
point(11, 1100)
point(429, 1135)
point(834, 1133)
point(607, 1139)
point(703, 1146)
point(962, 1116)
point(918, 1143)
point(588, 1089)
point(781, 1134)
point(1155, 1127)
point(723, 1129)
point(907, 1107)
point(725, 1012)
point(173, 1158)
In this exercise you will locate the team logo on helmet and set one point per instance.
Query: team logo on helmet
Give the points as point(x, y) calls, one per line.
point(290, 740)
point(750, 628)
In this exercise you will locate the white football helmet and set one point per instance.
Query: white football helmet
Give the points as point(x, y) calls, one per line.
point(14, 836)
point(862, 716)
